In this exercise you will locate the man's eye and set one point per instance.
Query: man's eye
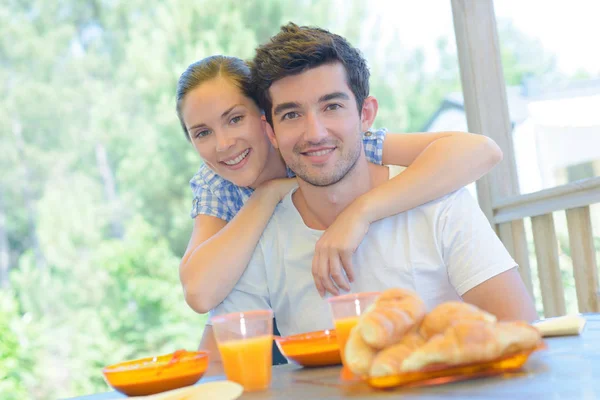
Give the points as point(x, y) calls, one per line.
point(202, 133)
point(236, 120)
point(332, 107)
point(290, 115)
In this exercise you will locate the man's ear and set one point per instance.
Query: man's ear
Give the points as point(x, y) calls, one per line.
point(368, 114)
point(269, 130)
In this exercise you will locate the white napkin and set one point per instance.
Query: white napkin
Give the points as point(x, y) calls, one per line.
point(219, 390)
point(561, 326)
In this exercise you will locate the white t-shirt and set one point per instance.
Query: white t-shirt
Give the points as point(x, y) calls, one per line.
point(441, 250)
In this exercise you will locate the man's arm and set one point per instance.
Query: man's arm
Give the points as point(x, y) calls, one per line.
point(505, 296)
point(479, 266)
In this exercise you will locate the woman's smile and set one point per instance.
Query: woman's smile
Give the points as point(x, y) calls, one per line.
point(238, 160)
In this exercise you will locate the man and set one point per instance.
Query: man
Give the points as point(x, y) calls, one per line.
point(313, 86)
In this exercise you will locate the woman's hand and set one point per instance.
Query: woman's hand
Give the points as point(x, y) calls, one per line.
point(332, 267)
point(278, 188)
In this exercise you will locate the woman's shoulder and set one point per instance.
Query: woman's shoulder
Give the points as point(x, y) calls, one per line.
point(373, 144)
point(214, 195)
point(207, 179)
point(375, 134)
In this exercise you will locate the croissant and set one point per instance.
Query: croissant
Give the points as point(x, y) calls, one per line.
point(358, 354)
point(473, 341)
point(517, 336)
point(446, 314)
point(389, 361)
point(463, 342)
point(394, 313)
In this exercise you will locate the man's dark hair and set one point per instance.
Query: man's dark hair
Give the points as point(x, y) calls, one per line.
point(296, 49)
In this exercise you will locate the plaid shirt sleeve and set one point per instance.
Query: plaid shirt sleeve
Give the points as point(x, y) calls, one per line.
point(208, 201)
point(373, 143)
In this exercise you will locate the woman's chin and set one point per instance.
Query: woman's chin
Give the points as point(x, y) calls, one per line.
point(241, 179)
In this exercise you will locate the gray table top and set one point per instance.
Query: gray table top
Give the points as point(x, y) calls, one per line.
point(566, 370)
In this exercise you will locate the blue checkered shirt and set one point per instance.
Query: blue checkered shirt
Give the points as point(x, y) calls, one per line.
point(217, 197)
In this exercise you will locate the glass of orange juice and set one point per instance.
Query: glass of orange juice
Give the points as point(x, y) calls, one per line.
point(244, 340)
point(346, 309)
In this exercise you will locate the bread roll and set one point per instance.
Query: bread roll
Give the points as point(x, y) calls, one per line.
point(358, 354)
point(394, 313)
point(517, 336)
point(463, 342)
point(389, 360)
point(473, 341)
point(446, 314)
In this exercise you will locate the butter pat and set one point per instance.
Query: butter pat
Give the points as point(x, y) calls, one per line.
point(567, 325)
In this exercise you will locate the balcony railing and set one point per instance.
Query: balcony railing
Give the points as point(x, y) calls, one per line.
point(487, 112)
point(575, 199)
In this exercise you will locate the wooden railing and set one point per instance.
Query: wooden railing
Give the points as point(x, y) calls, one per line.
point(575, 198)
point(484, 91)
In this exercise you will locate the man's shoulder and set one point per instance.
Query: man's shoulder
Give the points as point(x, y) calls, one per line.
point(456, 200)
point(285, 209)
point(453, 205)
point(460, 201)
point(282, 216)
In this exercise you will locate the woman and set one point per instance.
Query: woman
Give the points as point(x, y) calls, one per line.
point(243, 179)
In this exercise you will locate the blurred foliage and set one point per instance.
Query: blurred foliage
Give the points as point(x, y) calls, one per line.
point(94, 197)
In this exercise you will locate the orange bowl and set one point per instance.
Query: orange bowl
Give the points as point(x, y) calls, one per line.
point(312, 349)
point(157, 374)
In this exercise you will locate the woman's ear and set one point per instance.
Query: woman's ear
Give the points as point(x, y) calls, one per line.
point(269, 131)
point(369, 112)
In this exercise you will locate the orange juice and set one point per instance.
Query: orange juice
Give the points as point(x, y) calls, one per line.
point(248, 361)
point(342, 329)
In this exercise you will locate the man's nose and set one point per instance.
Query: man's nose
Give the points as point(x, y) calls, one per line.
point(315, 130)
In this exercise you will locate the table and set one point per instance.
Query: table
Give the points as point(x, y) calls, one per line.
point(568, 369)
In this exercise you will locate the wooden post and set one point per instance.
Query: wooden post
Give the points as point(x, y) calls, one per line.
point(486, 107)
point(584, 258)
point(546, 250)
point(484, 93)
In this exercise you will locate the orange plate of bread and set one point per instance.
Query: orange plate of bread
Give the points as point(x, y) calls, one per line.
point(441, 374)
point(313, 349)
point(397, 342)
point(157, 374)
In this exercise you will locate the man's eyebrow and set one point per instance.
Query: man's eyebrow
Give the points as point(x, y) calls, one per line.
point(333, 96)
point(285, 106)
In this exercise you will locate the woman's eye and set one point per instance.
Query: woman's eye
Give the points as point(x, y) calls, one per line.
point(332, 107)
point(202, 133)
point(290, 115)
point(236, 120)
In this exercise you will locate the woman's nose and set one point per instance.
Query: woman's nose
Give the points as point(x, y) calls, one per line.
point(224, 142)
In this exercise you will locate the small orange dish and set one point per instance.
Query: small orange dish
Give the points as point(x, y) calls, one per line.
point(312, 349)
point(157, 374)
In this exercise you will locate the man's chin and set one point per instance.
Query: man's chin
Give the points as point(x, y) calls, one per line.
point(319, 180)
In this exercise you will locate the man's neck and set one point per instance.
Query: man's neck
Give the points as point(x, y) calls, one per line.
point(319, 206)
